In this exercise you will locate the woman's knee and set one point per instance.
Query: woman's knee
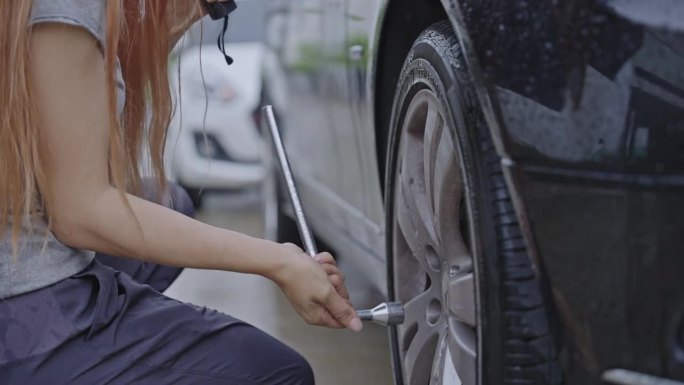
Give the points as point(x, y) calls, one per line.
point(268, 361)
point(297, 371)
point(304, 371)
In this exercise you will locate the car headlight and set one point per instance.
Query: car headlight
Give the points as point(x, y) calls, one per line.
point(222, 92)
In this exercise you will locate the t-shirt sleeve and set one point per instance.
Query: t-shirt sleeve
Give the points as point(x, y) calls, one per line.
point(87, 14)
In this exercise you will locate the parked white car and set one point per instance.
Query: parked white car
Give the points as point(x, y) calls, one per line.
point(213, 142)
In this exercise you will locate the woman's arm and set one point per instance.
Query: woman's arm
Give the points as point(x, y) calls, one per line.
point(87, 212)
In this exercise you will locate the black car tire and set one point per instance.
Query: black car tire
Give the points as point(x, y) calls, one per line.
point(513, 336)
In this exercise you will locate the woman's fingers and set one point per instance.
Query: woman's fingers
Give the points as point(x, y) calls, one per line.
point(327, 303)
point(333, 270)
point(342, 311)
point(339, 285)
point(328, 263)
point(328, 320)
point(325, 258)
point(335, 276)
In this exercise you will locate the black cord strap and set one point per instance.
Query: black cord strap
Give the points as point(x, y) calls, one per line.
point(221, 41)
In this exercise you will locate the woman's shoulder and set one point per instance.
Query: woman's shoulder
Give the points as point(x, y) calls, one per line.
point(88, 14)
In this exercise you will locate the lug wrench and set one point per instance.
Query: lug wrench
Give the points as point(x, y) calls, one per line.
point(385, 314)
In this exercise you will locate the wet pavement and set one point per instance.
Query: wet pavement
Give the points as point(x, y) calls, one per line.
point(337, 357)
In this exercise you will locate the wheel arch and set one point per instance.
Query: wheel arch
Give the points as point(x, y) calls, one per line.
point(406, 18)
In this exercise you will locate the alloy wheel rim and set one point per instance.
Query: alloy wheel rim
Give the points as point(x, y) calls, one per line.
point(433, 265)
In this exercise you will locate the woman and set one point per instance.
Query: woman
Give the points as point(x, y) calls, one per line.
point(83, 84)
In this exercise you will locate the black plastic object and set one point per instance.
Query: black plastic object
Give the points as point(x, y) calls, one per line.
point(219, 10)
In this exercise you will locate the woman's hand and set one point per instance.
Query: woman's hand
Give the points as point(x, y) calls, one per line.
point(315, 287)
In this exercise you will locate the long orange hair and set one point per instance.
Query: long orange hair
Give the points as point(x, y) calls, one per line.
point(142, 44)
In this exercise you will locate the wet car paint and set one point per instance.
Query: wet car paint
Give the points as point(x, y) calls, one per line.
point(587, 101)
point(612, 255)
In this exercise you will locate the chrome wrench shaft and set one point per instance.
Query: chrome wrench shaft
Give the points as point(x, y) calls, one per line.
point(302, 225)
point(388, 313)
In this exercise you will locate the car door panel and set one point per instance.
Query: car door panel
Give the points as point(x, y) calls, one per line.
point(303, 108)
point(363, 23)
point(313, 106)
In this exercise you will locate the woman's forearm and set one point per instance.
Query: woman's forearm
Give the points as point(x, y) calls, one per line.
point(158, 234)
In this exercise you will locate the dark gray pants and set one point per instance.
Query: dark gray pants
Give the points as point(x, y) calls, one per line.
point(110, 324)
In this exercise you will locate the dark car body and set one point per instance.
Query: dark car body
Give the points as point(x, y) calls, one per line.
point(585, 102)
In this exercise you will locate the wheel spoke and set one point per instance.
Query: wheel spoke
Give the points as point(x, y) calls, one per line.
point(462, 343)
point(462, 299)
point(415, 239)
point(443, 186)
point(414, 224)
point(434, 126)
point(448, 190)
point(408, 271)
point(436, 376)
point(416, 309)
point(420, 353)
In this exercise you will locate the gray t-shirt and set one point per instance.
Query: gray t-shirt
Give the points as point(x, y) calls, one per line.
point(42, 261)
